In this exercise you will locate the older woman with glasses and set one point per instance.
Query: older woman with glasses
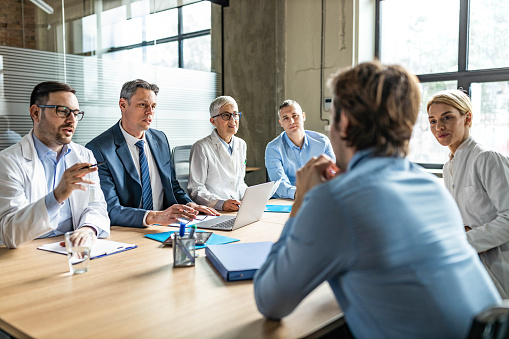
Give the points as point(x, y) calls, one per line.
point(478, 179)
point(218, 162)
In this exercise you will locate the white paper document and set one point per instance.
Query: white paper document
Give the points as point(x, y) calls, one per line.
point(100, 248)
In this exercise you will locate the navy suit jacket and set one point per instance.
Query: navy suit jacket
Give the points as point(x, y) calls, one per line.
point(120, 180)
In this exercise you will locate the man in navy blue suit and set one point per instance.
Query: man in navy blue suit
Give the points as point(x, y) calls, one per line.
point(138, 177)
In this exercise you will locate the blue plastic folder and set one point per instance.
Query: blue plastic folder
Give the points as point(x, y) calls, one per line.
point(238, 261)
point(215, 239)
point(278, 208)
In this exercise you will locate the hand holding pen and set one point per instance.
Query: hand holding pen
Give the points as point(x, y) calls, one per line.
point(72, 179)
point(231, 205)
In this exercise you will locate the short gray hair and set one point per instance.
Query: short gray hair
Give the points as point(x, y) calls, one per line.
point(289, 102)
point(220, 102)
point(130, 87)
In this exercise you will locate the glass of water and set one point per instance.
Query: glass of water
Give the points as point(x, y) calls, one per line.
point(78, 256)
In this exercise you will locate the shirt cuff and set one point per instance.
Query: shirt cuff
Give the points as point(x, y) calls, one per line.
point(291, 192)
point(219, 205)
point(92, 226)
point(145, 219)
point(52, 205)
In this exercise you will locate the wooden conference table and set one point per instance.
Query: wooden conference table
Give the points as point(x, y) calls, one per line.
point(139, 294)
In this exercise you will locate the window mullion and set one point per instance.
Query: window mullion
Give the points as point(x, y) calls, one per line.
point(463, 36)
point(180, 40)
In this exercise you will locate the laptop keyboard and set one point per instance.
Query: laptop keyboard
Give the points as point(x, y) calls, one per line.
point(227, 224)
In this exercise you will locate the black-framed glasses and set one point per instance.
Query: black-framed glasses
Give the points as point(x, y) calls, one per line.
point(64, 111)
point(227, 116)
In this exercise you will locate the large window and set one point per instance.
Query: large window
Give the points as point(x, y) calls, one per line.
point(452, 44)
point(176, 37)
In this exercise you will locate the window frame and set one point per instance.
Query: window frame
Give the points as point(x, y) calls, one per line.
point(463, 76)
point(180, 37)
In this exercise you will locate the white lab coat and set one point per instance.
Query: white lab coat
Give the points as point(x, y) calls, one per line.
point(23, 213)
point(214, 174)
point(478, 179)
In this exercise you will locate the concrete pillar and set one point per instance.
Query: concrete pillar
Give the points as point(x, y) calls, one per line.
point(254, 68)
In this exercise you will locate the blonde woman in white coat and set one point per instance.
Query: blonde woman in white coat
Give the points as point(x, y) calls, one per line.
point(218, 162)
point(478, 179)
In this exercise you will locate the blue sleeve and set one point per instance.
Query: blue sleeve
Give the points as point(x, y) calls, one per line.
point(328, 149)
point(276, 171)
point(314, 246)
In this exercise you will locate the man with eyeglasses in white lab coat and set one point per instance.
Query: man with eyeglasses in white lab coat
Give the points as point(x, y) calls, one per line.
point(45, 178)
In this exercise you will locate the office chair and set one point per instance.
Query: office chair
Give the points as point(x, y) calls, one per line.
point(180, 156)
point(492, 323)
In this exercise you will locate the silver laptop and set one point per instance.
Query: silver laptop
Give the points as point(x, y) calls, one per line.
point(250, 211)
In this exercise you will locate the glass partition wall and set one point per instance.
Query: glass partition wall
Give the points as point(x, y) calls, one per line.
point(96, 46)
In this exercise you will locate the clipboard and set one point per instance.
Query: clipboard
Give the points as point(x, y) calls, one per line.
point(101, 248)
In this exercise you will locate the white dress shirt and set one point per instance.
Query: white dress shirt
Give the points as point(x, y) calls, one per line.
point(214, 174)
point(478, 179)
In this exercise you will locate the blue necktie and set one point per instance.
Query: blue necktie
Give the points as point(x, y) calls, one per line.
point(145, 178)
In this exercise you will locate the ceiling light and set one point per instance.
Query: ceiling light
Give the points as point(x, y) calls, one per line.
point(42, 5)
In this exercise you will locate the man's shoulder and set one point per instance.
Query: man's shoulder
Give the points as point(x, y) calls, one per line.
point(157, 133)
point(104, 138)
point(317, 136)
point(277, 141)
point(80, 150)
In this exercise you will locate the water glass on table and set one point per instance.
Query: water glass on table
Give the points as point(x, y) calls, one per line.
point(78, 256)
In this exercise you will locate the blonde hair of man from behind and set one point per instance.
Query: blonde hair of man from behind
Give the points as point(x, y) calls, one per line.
point(220, 102)
point(455, 98)
point(382, 103)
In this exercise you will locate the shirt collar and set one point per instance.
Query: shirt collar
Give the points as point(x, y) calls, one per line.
point(359, 156)
point(44, 151)
point(464, 145)
point(131, 140)
point(227, 145)
point(292, 145)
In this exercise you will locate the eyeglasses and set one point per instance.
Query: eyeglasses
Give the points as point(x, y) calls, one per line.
point(227, 116)
point(64, 112)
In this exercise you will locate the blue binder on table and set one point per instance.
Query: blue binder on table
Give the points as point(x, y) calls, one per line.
point(238, 261)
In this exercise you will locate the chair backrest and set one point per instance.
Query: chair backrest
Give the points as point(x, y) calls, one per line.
point(180, 156)
point(492, 323)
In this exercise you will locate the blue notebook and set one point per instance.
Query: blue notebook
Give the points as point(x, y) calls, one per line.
point(238, 261)
point(278, 208)
point(215, 239)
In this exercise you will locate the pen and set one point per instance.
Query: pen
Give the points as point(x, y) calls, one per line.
point(182, 230)
point(90, 166)
point(193, 228)
point(231, 197)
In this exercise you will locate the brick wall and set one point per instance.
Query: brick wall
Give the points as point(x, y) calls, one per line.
point(12, 15)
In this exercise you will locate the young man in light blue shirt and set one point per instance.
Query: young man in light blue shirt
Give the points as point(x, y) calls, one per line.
point(385, 235)
point(293, 148)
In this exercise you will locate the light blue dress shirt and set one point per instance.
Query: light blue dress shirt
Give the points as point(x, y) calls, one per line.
point(227, 146)
point(283, 158)
point(59, 214)
point(389, 240)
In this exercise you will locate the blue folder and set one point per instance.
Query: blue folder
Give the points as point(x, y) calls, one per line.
point(278, 208)
point(215, 239)
point(238, 261)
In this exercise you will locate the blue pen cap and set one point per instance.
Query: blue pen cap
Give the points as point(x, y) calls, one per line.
point(182, 230)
